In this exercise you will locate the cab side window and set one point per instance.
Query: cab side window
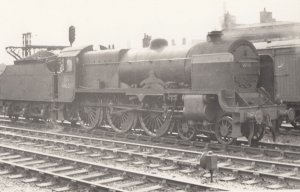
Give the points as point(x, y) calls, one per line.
point(68, 65)
point(65, 65)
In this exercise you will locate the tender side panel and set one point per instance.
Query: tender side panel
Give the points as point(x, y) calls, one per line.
point(30, 82)
point(287, 70)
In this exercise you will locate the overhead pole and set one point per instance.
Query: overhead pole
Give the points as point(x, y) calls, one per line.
point(71, 35)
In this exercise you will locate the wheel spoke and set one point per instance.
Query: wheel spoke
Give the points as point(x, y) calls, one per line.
point(186, 131)
point(154, 124)
point(223, 130)
point(228, 133)
point(121, 120)
point(91, 116)
point(159, 121)
point(259, 131)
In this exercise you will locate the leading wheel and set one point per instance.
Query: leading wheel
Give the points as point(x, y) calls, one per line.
point(185, 131)
point(12, 110)
point(121, 120)
point(70, 113)
point(14, 118)
point(258, 131)
point(223, 130)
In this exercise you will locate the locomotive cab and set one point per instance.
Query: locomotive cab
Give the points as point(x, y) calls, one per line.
point(68, 74)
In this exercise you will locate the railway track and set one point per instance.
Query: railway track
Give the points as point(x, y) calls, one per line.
point(242, 163)
point(66, 174)
point(200, 142)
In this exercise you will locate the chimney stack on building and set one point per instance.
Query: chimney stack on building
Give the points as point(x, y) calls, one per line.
point(173, 42)
point(183, 41)
point(229, 21)
point(146, 40)
point(266, 17)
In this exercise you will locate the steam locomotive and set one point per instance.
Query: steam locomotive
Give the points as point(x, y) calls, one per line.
point(209, 88)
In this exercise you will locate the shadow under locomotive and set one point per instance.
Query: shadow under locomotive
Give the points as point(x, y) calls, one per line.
point(209, 88)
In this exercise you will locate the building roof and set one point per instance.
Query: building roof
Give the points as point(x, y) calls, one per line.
point(259, 25)
point(277, 44)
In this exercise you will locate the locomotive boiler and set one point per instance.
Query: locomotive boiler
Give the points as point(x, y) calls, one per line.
point(209, 88)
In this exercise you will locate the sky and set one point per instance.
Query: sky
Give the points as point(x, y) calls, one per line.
point(124, 22)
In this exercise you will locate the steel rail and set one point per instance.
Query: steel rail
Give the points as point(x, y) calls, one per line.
point(265, 146)
point(277, 151)
point(163, 181)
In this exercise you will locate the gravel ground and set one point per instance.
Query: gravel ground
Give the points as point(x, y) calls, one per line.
point(16, 185)
point(283, 138)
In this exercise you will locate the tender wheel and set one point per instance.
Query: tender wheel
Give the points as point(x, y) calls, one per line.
point(11, 111)
point(90, 116)
point(14, 118)
point(223, 129)
point(155, 122)
point(121, 120)
point(296, 123)
point(185, 131)
point(70, 113)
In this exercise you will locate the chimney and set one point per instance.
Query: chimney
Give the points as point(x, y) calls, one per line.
point(146, 40)
point(214, 36)
point(173, 42)
point(158, 43)
point(266, 17)
point(229, 21)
